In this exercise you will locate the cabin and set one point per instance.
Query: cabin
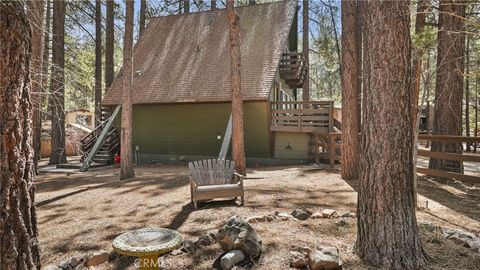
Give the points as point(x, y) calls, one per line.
point(182, 88)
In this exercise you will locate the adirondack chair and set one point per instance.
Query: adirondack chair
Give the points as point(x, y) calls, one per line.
point(214, 178)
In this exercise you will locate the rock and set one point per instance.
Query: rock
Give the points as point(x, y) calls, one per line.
point(97, 258)
point(348, 215)
point(238, 234)
point(176, 252)
point(316, 215)
point(51, 267)
point(205, 240)
point(188, 247)
point(298, 260)
point(68, 264)
point(213, 235)
point(270, 218)
point(324, 258)
point(341, 223)
point(256, 219)
point(329, 213)
point(300, 214)
point(473, 244)
point(284, 216)
point(231, 258)
point(79, 267)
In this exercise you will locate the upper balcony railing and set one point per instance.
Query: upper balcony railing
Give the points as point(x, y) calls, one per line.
point(303, 116)
point(293, 69)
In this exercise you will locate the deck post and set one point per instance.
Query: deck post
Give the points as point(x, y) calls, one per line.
point(332, 150)
point(331, 116)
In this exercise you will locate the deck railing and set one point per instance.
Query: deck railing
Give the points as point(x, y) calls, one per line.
point(302, 116)
point(293, 68)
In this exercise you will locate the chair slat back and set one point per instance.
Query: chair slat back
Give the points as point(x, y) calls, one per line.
point(212, 171)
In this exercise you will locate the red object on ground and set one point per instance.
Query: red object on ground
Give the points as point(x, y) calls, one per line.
point(116, 159)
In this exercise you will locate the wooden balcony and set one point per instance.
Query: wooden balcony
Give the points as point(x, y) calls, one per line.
point(293, 69)
point(303, 116)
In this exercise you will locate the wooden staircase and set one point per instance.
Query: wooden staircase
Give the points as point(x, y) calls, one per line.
point(103, 143)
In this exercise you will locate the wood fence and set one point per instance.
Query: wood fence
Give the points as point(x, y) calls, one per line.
point(302, 116)
point(449, 156)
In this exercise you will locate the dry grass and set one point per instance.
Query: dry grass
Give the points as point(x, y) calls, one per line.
point(82, 213)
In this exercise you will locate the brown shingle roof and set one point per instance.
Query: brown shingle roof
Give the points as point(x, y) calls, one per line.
point(185, 58)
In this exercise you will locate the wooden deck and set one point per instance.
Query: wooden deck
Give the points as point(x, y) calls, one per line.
point(302, 116)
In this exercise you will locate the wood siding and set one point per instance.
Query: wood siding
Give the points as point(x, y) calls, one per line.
point(192, 129)
point(291, 145)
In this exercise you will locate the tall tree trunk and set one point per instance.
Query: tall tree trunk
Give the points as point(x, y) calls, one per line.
point(467, 92)
point(449, 84)
point(350, 87)
point(35, 17)
point(359, 27)
point(213, 4)
point(238, 147)
point(19, 248)
point(109, 44)
point(387, 234)
point(306, 52)
point(427, 89)
point(417, 67)
point(143, 9)
point(126, 136)
point(186, 6)
point(98, 62)
point(476, 131)
point(46, 45)
point(57, 85)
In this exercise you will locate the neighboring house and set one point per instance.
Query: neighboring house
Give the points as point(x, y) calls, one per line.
point(81, 117)
point(182, 87)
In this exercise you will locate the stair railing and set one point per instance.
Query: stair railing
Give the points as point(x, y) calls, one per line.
point(100, 140)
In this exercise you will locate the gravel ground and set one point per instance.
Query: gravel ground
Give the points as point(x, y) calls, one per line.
point(80, 213)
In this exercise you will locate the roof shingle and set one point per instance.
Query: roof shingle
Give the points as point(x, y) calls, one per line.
point(185, 58)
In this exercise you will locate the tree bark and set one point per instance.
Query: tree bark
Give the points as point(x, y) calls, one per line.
point(467, 92)
point(143, 9)
point(427, 89)
point(417, 66)
point(449, 82)
point(306, 52)
point(109, 43)
point(98, 62)
point(57, 85)
point(350, 87)
point(213, 4)
point(387, 233)
point(19, 248)
point(126, 136)
point(476, 131)
point(35, 17)
point(238, 147)
point(186, 6)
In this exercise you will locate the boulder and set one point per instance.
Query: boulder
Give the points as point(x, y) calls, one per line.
point(316, 215)
point(238, 234)
point(329, 213)
point(188, 246)
point(97, 258)
point(284, 216)
point(270, 217)
point(324, 258)
point(256, 219)
point(68, 264)
point(298, 260)
point(341, 223)
point(348, 215)
point(231, 258)
point(300, 214)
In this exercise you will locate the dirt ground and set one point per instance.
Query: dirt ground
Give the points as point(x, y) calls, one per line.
point(80, 213)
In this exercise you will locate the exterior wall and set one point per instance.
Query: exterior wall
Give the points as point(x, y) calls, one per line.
point(291, 145)
point(169, 130)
